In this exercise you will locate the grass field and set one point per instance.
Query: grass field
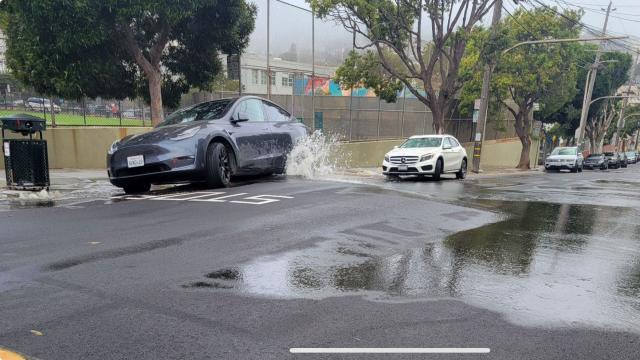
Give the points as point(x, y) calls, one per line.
point(65, 119)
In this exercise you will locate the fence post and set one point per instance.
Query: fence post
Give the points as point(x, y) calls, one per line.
point(379, 117)
point(44, 110)
point(404, 103)
point(424, 127)
point(84, 110)
point(351, 115)
point(120, 112)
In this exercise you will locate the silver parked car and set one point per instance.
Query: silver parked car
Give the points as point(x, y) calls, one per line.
point(567, 158)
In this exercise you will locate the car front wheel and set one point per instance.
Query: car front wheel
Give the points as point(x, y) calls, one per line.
point(462, 173)
point(218, 166)
point(438, 171)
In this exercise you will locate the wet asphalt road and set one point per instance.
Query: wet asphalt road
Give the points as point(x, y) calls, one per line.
point(544, 266)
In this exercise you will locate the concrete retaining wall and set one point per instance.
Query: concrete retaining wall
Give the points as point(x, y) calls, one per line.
point(86, 148)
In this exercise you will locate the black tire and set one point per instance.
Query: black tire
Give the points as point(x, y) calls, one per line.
point(438, 171)
point(218, 166)
point(574, 169)
point(136, 188)
point(462, 173)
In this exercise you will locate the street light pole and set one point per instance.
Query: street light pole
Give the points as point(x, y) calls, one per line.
point(588, 92)
point(484, 93)
point(268, 54)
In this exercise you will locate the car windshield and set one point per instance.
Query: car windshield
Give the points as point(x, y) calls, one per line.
point(631, 153)
point(609, 154)
point(205, 111)
point(564, 151)
point(595, 156)
point(422, 142)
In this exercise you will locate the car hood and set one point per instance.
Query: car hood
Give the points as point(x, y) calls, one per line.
point(562, 157)
point(158, 134)
point(412, 151)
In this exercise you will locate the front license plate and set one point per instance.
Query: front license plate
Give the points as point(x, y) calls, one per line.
point(135, 161)
point(403, 167)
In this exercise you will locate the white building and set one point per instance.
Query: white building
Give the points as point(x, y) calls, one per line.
point(254, 74)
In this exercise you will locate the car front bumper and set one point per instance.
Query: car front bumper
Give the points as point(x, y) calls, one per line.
point(419, 168)
point(160, 166)
point(560, 166)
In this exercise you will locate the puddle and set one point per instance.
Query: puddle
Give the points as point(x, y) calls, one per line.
point(547, 265)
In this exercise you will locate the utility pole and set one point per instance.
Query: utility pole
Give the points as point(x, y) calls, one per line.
point(591, 76)
point(620, 125)
point(268, 54)
point(484, 93)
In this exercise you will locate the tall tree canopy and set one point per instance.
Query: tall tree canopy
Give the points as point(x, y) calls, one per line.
point(118, 49)
point(397, 54)
point(528, 74)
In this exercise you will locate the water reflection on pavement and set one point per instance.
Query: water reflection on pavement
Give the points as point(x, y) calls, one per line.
point(572, 260)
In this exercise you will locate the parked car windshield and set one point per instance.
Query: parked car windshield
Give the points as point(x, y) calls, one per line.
point(631, 153)
point(594, 156)
point(564, 151)
point(422, 143)
point(609, 154)
point(205, 111)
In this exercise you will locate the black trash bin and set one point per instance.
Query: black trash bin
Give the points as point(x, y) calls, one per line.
point(25, 158)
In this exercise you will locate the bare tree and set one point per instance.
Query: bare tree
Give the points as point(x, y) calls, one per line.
point(597, 126)
point(392, 29)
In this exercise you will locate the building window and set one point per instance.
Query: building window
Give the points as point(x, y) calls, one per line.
point(288, 80)
point(272, 79)
point(263, 77)
point(254, 76)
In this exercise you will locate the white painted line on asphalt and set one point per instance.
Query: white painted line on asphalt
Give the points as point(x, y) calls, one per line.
point(389, 350)
point(261, 199)
point(204, 194)
point(220, 199)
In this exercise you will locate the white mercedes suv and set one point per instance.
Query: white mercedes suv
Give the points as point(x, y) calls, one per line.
point(426, 155)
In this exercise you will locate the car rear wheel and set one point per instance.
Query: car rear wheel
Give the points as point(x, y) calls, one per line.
point(462, 173)
point(218, 166)
point(136, 188)
point(438, 171)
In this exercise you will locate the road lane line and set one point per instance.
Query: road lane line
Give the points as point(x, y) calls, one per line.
point(389, 350)
point(220, 199)
point(261, 199)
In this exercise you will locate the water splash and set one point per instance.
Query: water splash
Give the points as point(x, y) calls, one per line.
point(315, 155)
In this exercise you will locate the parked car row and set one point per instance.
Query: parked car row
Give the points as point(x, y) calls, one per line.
point(570, 158)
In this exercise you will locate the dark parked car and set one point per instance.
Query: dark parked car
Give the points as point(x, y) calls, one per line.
point(596, 161)
point(207, 142)
point(623, 159)
point(632, 157)
point(613, 160)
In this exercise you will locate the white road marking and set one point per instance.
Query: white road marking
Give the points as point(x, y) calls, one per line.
point(220, 199)
point(208, 196)
point(261, 199)
point(389, 350)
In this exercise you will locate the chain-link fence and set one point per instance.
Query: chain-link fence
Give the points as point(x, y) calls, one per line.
point(84, 112)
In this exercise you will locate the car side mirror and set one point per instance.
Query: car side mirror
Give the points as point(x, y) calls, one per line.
point(240, 117)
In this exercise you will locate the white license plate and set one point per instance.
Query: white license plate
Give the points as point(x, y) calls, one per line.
point(403, 167)
point(135, 161)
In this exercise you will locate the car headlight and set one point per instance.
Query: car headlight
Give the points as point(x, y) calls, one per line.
point(186, 134)
point(386, 158)
point(426, 157)
point(113, 147)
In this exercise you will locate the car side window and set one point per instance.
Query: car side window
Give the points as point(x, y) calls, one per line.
point(446, 143)
point(251, 108)
point(454, 142)
point(275, 113)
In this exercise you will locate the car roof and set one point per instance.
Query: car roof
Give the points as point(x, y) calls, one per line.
point(429, 136)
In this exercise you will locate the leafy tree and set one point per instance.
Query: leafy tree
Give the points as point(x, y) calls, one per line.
point(528, 74)
point(119, 49)
point(397, 54)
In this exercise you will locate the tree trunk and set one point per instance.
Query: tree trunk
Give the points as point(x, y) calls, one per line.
point(438, 120)
point(155, 94)
point(53, 113)
point(523, 129)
